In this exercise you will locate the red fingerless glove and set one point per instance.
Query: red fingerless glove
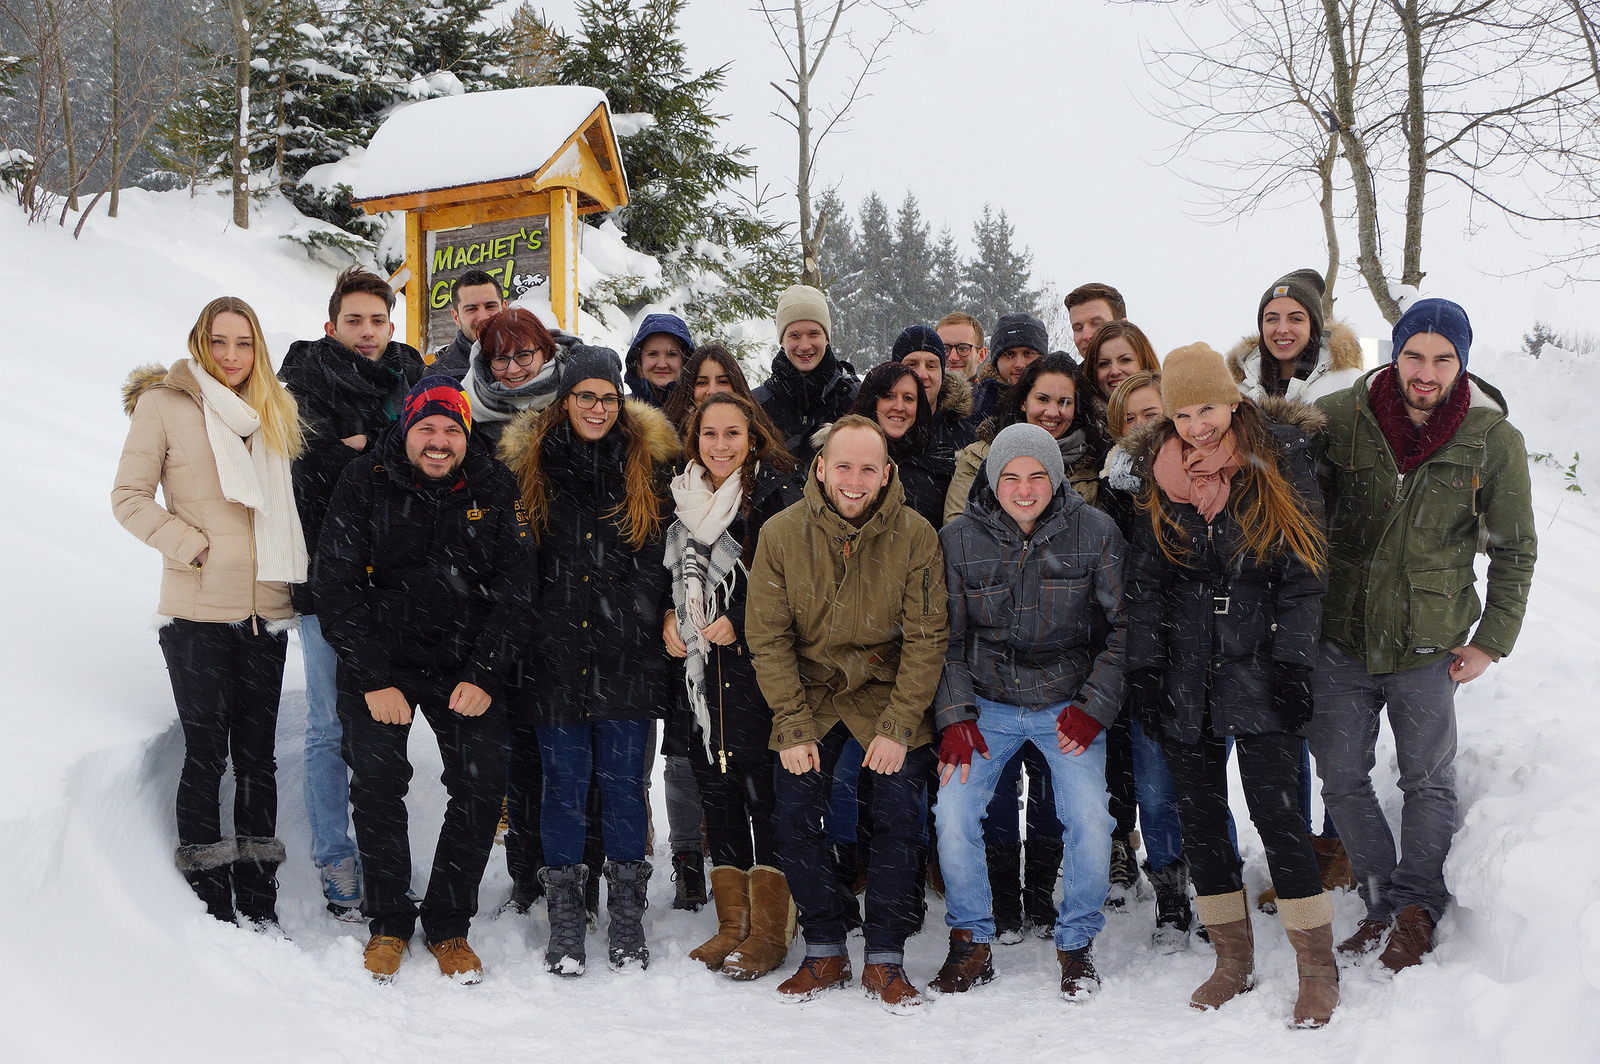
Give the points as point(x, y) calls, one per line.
point(959, 741)
point(1078, 726)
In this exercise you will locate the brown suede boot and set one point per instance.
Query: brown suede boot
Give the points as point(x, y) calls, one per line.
point(1333, 864)
point(1367, 937)
point(771, 927)
point(730, 892)
point(817, 975)
point(1410, 941)
point(1227, 918)
point(968, 964)
point(1309, 924)
point(889, 985)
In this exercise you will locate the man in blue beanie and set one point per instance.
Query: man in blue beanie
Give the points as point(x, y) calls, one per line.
point(1418, 466)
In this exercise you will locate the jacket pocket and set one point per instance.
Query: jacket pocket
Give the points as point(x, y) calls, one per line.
point(1443, 605)
point(991, 607)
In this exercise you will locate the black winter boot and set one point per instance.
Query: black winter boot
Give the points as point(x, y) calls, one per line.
point(689, 881)
point(255, 883)
point(1173, 914)
point(1041, 867)
point(1005, 885)
point(563, 896)
point(626, 903)
point(209, 869)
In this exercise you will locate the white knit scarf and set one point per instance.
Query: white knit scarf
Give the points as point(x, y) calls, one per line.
point(255, 477)
point(704, 559)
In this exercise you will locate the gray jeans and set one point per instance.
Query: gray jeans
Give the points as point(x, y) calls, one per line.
point(1343, 734)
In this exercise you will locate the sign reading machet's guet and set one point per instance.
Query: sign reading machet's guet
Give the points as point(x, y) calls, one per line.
point(514, 251)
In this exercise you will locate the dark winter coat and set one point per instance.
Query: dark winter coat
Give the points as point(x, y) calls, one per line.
point(340, 394)
point(951, 428)
point(925, 474)
point(414, 576)
point(1401, 584)
point(596, 652)
point(986, 392)
point(1034, 620)
point(641, 389)
point(1217, 626)
point(741, 720)
point(453, 358)
point(800, 404)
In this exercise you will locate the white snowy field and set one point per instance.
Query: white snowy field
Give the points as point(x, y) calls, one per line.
point(106, 955)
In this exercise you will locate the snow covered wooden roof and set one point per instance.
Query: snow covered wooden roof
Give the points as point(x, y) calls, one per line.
point(486, 145)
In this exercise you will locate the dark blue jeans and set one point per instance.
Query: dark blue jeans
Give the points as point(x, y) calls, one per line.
point(613, 751)
point(897, 808)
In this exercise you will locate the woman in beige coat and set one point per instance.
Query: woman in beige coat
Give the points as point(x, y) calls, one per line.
point(217, 432)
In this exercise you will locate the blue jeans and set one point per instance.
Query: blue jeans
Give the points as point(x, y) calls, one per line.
point(613, 750)
point(327, 783)
point(1080, 794)
point(1158, 802)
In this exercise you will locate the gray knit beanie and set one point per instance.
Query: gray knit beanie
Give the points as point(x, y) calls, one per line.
point(1023, 440)
point(589, 363)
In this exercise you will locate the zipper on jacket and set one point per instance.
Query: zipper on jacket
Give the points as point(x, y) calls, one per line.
point(250, 516)
point(927, 581)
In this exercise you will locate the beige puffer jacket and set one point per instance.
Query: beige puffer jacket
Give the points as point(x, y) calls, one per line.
point(167, 445)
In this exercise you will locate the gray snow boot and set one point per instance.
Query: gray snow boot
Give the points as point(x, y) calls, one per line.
point(563, 896)
point(626, 903)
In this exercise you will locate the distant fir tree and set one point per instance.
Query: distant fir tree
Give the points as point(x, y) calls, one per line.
point(683, 204)
point(946, 275)
point(997, 276)
point(841, 267)
point(911, 270)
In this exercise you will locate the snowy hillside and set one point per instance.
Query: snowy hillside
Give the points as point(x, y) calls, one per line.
point(106, 955)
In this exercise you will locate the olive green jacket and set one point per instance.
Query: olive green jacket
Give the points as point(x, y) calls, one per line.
point(1400, 578)
point(847, 623)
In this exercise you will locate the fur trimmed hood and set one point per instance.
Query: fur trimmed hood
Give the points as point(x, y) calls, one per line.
point(955, 397)
point(1141, 443)
point(516, 443)
point(1340, 354)
point(155, 375)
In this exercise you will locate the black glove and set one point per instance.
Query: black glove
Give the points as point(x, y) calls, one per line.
point(1147, 701)
point(1291, 695)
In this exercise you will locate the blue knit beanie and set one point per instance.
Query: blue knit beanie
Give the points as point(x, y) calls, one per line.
point(1439, 316)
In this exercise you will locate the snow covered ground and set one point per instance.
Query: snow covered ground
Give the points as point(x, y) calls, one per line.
point(106, 955)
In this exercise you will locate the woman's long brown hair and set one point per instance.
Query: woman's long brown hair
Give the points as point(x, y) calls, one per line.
point(640, 514)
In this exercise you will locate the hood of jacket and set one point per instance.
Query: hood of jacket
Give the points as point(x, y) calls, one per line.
point(1340, 350)
point(840, 531)
point(155, 375)
point(955, 398)
point(655, 433)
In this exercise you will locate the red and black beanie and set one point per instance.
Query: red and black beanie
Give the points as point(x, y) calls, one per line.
point(438, 394)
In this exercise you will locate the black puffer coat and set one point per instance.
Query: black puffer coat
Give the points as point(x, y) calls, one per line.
point(800, 404)
point(340, 394)
point(420, 577)
point(596, 652)
point(1217, 627)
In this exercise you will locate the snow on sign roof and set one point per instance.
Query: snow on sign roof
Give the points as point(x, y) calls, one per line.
point(472, 139)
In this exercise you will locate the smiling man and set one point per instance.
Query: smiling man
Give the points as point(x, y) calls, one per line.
point(425, 585)
point(846, 629)
point(474, 299)
point(1418, 465)
point(810, 387)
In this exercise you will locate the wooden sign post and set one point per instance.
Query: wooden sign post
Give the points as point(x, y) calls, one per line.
point(493, 181)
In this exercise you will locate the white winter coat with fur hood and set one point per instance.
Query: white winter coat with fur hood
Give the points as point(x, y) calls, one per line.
point(167, 446)
point(1339, 363)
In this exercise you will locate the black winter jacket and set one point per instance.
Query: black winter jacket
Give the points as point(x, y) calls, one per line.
point(340, 394)
point(596, 652)
point(1035, 620)
point(800, 404)
point(416, 577)
point(454, 358)
point(1217, 627)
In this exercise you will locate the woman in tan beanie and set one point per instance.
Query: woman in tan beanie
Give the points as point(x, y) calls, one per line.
point(1224, 597)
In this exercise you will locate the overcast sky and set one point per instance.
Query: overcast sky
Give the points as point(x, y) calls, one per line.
point(1042, 107)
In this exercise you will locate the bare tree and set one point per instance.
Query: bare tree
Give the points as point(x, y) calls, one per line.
point(805, 32)
point(240, 22)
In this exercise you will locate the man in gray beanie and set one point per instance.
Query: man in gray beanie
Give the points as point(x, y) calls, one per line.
point(1032, 658)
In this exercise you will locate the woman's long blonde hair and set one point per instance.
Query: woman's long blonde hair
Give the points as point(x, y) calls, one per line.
point(280, 418)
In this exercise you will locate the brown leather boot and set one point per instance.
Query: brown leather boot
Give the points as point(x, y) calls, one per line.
point(968, 964)
point(1411, 939)
point(1368, 934)
point(1227, 918)
point(771, 927)
point(1079, 980)
point(889, 985)
point(1309, 924)
point(817, 975)
point(1333, 864)
point(730, 892)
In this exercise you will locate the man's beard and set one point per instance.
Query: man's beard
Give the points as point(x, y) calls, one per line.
point(1439, 398)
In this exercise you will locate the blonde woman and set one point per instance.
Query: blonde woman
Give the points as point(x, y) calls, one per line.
point(217, 433)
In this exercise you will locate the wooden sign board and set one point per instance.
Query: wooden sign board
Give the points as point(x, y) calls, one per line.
point(514, 251)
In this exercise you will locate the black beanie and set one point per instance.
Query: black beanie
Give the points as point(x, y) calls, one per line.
point(917, 338)
point(1019, 330)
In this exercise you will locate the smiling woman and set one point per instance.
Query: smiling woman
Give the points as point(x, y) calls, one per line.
point(893, 395)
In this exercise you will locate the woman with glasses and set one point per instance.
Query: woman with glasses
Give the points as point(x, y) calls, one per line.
point(514, 368)
point(594, 471)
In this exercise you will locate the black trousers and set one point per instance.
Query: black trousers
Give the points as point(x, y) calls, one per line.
point(738, 805)
point(473, 750)
point(226, 680)
point(1119, 775)
point(1269, 766)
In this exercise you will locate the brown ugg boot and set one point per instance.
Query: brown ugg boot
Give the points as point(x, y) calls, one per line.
point(1333, 864)
point(1309, 924)
point(1227, 918)
point(772, 919)
point(730, 893)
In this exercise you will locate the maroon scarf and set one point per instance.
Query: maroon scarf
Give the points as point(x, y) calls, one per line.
point(1411, 443)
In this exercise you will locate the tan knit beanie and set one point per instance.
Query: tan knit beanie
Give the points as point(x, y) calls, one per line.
point(1195, 374)
point(801, 302)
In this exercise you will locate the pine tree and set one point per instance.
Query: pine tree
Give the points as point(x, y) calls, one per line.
point(910, 270)
point(948, 268)
point(997, 276)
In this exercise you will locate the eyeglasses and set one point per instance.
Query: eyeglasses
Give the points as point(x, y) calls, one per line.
point(521, 358)
point(964, 350)
point(586, 400)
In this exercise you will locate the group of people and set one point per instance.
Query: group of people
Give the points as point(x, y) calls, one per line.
point(853, 614)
